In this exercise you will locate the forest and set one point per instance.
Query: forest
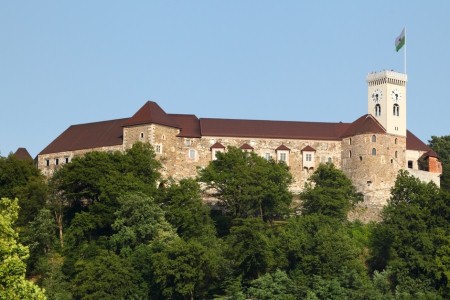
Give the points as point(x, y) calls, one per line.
point(108, 226)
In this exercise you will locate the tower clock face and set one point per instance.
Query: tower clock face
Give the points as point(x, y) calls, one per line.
point(377, 96)
point(396, 95)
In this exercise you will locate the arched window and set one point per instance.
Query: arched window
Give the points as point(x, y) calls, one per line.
point(374, 151)
point(396, 110)
point(377, 110)
point(396, 141)
point(374, 138)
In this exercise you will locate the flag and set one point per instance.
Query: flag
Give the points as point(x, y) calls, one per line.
point(400, 40)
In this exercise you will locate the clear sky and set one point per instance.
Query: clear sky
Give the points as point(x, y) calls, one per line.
point(73, 62)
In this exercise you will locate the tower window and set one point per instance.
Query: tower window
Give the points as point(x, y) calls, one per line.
point(410, 164)
point(396, 154)
point(396, 141)
point(377, 110)
point(396, 110)
point(374, 151)
point(374, 138)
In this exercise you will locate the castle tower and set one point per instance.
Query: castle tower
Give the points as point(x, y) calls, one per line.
point(387, 100)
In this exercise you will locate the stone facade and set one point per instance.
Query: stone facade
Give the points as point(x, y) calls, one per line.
point(370, 151)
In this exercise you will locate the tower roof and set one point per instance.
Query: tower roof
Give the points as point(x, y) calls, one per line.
point(22, 154)
point(364, 124)
point(149, 113)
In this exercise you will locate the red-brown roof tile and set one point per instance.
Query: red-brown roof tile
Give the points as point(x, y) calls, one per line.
point(22, 154)
point(414, 143)
point(150, 112)
point(246, 146)
point(189, 125)
point(87, 136)
point(364, 124)
point(308, 148)
point(271, 129)
point(283, 147)
point(217, 146)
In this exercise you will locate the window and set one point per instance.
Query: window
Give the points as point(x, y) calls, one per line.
point(374, 138)
point(282, 157)
point(267, 156)
point(66, 159)
point(187, 142)
point(377, 110)
point(158, 149)
point(192, 154)
point(396, 110)
point(395, 141)
point(410, 164)
point(330, 160)
point(374, 151)
point(350, 141)
point(215, 151)
point(350, 153)
point(308, 157)
point(56, 161)
point(47, 162)
point(142, 135)
point(396, 154)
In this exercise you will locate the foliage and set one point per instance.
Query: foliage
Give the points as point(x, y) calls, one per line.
point(441, 145)
point(330, 193)
point(270, 286)
point(413, 241)
point(107, 276)
point(138, 220)
point(186, 211)
point(248, 185)
point(21, 179)
point(13, 284)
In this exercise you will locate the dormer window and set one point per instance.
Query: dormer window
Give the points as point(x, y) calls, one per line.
point(308, 154)
point(217, 147)
point(283, 154)
point(246, 147)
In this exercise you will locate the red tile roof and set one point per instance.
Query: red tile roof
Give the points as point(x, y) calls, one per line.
point(364, 124)
point(271, 129)
point(414, 143)
point(283, 147)
point(246, 146)
point(217, 146)
point(87, 136)
point(22, 154)
point(308, 148)
point(150, 112)
point(188, 124)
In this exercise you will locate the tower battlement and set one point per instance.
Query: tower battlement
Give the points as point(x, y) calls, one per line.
point(383, 77)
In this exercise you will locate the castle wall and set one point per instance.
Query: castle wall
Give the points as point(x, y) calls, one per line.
point(373, 173)
point(49, 163)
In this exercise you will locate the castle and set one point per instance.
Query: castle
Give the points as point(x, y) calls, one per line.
point(370, 150)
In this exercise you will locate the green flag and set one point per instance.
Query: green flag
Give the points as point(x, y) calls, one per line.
point(400, 40)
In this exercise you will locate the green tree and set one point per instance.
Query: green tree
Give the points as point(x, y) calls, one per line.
point(139, 220)
point(107, 276)
point(441, 145)
point(250, 248)
point(21, 179)
point(248, 185)
point(13, 284)
point(272, 286)
point(185, 210)
point(330, 193)
point(412, 240)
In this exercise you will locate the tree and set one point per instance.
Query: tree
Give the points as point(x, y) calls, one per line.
point(107, 276)
point(248, 185)
point(441, 145)
point(330, 193)
point(21, 179)
point(139, 220)
point(412, 239)
point(186, 211)
point(270, 286)
point(13, 284)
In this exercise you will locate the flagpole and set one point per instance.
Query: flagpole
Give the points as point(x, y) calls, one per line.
point(405, 52)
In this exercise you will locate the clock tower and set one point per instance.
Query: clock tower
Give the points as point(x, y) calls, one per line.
point(387, 100)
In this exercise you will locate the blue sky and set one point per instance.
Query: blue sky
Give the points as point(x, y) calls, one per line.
point(72, 62)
